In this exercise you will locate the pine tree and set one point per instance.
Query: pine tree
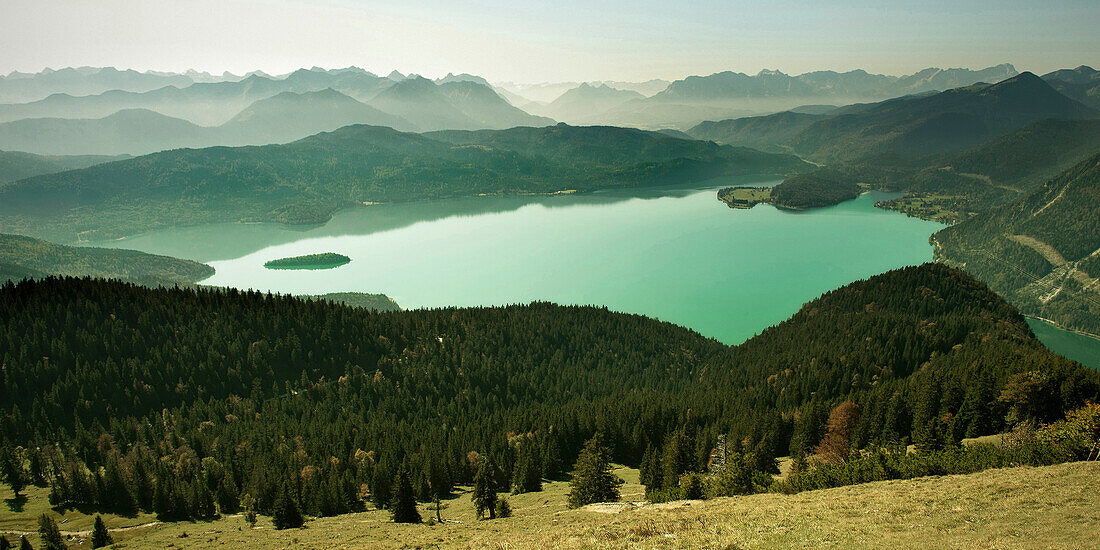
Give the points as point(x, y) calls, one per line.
point(403, 506)
point(4, 544)
point(249, 505)
point(485, 491)
point(381, 486)
point(51, 535)
point(551, 456)
point(285, 513)
point(527, 477)
point(25, 544)
point(592, 477)
point(100, 536)
point(11, 467)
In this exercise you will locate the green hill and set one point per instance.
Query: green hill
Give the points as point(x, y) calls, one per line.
point(305, 181)
point(1042, 251)
point(246, 391)
point(16, 165)
point(767, 133)
point(26, 257)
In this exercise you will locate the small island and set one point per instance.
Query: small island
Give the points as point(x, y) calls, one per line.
point(822, 187)
point(326, 260)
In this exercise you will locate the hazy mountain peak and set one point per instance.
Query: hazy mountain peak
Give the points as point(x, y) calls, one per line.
point(395, 75)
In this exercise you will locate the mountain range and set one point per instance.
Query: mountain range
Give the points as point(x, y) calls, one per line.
point(281, 118)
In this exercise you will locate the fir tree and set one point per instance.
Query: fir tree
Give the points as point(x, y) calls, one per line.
point(100, 536)
point(25, 544)
point(4, 544)
point(51, 535)
point(403, 506)
point(286, 514)
point(527, 476)
point(592, 477)
point(485, 491)
point(11, 463)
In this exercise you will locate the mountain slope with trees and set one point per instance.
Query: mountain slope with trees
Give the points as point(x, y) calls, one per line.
point(305, 181)
point(188, 399)
point(17, 165)
point(26, 257)
point(1042, 251)
point(936, 123)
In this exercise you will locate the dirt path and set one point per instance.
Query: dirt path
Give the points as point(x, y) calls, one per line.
point(1052, 201)
point(89, 532)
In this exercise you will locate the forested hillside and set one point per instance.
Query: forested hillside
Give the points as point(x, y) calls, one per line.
point(305, 181)
point(15, 165)
point(181, 400)
point(26, 257)
point(1042, 251)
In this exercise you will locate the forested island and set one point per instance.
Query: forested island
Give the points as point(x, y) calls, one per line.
point(324, 260)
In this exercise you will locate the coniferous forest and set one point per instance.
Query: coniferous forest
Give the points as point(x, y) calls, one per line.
point(189, 402)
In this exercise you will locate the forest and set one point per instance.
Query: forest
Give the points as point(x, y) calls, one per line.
point(192, 402)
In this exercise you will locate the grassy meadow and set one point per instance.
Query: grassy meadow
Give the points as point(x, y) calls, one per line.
point(1047, 507)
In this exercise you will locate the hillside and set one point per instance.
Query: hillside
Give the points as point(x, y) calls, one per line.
point(586, 101)
point(305, 181)
point(487, 109)
point(1082, 84)
point(290, 116)
point(26, 257)
point(245, 388)
point(133, 132)
point(958, 185)
point(1007, 508)
point(17, 165)
point(937, 123)
point(1042, 251)
point(767, 133)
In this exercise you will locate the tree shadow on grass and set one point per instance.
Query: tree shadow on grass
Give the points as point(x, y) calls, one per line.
point(16, 504)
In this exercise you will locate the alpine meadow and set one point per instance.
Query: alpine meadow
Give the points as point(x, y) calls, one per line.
point(328, 274)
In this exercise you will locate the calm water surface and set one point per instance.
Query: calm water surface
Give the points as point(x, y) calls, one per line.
point(674, 254)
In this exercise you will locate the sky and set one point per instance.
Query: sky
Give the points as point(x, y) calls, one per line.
point(539, 41)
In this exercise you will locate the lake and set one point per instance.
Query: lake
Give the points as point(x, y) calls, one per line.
point(678, 255)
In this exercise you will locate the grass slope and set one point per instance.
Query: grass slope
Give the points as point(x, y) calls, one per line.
point(1047, 507)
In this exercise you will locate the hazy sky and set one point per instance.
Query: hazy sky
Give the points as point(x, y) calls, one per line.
point(534, 41)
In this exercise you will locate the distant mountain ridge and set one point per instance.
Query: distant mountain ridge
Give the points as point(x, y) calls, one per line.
point(938, 122)
point(858, 83)
point(1082, 84)
point(281, 118)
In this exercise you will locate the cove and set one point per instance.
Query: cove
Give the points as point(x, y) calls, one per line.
point(1071, 345)
point(678, 255)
